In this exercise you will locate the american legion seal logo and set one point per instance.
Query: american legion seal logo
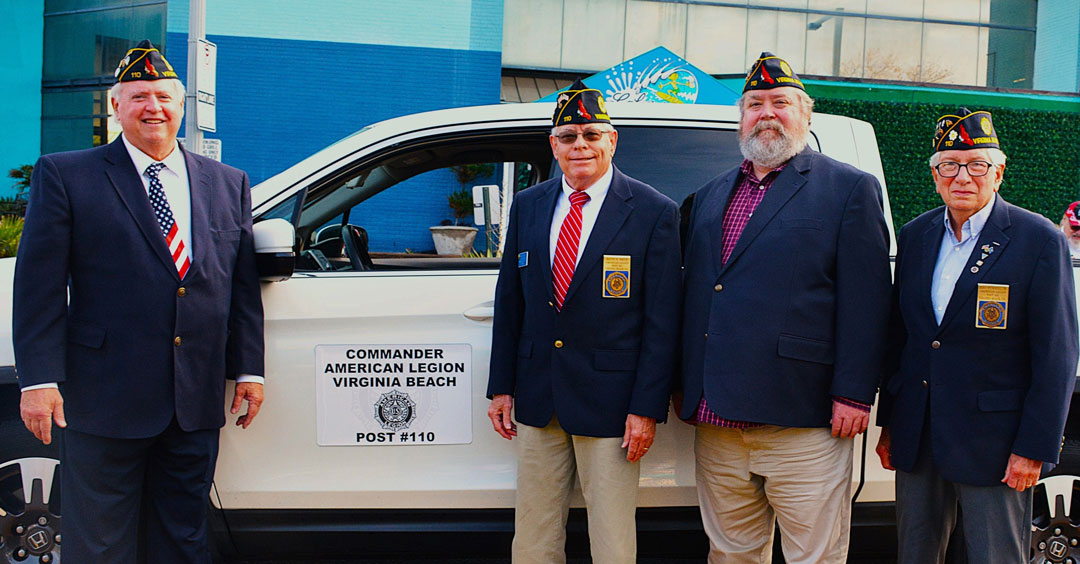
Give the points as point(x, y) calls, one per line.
point(395, 410)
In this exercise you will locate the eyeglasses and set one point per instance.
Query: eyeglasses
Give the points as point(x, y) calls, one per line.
point(590, 136)
point(950, 169)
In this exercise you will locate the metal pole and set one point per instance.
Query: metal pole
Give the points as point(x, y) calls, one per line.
point(196, 30)
point(838, 39)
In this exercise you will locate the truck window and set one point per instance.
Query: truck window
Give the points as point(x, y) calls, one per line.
point(410, 208)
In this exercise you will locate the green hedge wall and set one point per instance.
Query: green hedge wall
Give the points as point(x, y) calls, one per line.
point(1043, 170)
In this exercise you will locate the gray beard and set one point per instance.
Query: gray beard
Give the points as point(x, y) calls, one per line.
point(770, 153)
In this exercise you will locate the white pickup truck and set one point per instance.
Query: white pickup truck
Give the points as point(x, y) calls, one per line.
point(361, 449)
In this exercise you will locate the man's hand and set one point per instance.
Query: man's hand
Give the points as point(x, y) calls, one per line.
point(1021, 473)
point(39, 408)
point(848, 421)
point(884, 443)
point(253, 393)
point(638, 437)
point(499, 413)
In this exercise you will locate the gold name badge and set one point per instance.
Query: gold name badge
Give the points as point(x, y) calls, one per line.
point(616, 276)
point(992, 306)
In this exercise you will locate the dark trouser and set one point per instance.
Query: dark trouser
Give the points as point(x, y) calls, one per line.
point(107, 482)
point(997, 519)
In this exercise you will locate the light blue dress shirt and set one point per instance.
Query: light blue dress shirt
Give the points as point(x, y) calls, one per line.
point(953, 256)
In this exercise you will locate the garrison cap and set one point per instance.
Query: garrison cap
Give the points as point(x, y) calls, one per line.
point(143, 62)
point(770, 71)
point(965, 130)
point(580, 104)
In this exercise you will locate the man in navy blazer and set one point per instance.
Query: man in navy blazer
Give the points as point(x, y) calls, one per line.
point(983, 353)
point(585, 336)
point(135, 296)
point(785, 306)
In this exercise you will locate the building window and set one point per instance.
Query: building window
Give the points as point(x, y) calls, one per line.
point(988, 43)
point(84, 40)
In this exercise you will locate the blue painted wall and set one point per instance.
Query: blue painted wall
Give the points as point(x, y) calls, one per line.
point(1057, 46)
point(293, 77)
point(22, 28)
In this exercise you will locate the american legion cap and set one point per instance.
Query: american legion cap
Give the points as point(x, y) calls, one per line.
point(143, 62)
point(965, 130)
point(770, 71)
point(580, 104)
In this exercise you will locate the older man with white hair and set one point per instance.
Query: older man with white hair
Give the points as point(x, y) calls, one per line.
point(983, 352)
point(584, 342)
point(786, 300)
point(136, 295)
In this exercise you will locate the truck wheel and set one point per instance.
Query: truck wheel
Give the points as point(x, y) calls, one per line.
point(30, 510)
point(1054, 536)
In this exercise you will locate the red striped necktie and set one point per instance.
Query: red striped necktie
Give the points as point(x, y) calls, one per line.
point(180, 254)
point(562, 269)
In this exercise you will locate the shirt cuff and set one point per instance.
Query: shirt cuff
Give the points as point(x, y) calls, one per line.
point(49, 385)
point(852, 403)
point(260, 379)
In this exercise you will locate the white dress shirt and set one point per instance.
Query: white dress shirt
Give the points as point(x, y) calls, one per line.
point(174, 180)
point(597, 192)
point(953, 256)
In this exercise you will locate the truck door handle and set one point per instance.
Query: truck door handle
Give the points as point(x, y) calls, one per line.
point(481, 312)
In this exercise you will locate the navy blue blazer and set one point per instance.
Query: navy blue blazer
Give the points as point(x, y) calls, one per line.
point(798, 313)
point(91, 232)
point(617, 355)
point(987, 392)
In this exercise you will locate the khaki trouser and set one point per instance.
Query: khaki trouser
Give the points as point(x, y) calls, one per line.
point(548, 459)
point(749, 479)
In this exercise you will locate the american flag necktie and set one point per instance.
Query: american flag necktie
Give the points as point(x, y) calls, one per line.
point(562, 268)
point(180, 254)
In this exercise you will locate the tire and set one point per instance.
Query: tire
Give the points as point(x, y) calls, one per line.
point(29, 489)
point(1055, 535)
point(30, 498)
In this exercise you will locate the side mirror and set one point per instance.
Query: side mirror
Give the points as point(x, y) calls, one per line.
point(274, 256)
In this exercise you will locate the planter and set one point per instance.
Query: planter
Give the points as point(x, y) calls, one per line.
point(455, 240)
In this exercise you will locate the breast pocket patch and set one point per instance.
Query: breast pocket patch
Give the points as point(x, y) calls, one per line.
point(992, 311)
point(616, 276)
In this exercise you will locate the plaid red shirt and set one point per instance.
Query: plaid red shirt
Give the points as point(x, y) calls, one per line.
point(744, 200)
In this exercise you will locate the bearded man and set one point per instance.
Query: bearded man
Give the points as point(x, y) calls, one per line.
point(786, 300)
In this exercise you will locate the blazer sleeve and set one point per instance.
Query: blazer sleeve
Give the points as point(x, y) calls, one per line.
point(39, 311)
point(1052, 338)
point(244, 349)
point(863, 286)
point(509, 313)
point(660, 332)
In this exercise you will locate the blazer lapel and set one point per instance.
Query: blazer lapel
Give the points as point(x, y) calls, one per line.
point(992, 242)
point(128, 185)
point(545, 214)
point(201, 198)
point(610, 219)
point(790, 181)
point(712, 215)
point(931, 246)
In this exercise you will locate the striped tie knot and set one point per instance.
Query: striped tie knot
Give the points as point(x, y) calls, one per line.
point(578, 198)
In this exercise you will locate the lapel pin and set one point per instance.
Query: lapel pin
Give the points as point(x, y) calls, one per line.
point(978, 262)
point(974, 269)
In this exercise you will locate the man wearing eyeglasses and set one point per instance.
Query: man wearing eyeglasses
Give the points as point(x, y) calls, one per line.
point(584, 337)
point(983, 352)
